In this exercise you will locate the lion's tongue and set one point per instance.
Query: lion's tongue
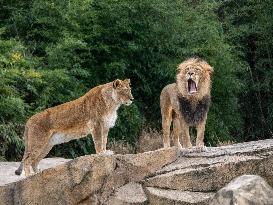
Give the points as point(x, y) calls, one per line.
point(192, 87)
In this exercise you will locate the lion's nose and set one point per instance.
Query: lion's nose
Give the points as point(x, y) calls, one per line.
point(191, 73)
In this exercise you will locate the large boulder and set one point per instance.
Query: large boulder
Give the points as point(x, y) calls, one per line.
point(245, 190)
point(129, 194)
point(85, 180)
point(210, 171)
point(158, 196)
point(165, 176)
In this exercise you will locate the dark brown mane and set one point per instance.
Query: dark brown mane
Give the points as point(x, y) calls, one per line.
point(193, 115)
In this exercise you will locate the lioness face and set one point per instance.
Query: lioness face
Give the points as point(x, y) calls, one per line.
point(123, 91)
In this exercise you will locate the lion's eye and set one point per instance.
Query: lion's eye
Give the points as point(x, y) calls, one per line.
point(197, 69)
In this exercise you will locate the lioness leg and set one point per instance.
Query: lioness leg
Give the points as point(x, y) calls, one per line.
point(35, 149)
point(44, 151)
point(200, 136)
point(105, 135)
point(176, 132)
point(28, 170)
point(104, 142)
point(97, 135)
point(186, 140)
point(21, 167)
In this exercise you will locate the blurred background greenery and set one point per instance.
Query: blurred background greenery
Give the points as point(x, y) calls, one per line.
point(53, 51)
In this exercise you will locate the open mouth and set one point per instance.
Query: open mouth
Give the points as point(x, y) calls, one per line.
point(191, 87)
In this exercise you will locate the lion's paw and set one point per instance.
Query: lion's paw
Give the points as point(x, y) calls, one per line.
point(186, 150)
point(179, 146)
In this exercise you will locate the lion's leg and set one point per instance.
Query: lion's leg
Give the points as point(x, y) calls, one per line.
point(166, 113)
point(166, 124)
point(200, 136)
point(177, 132)
point(186, 140)
point(97, 135)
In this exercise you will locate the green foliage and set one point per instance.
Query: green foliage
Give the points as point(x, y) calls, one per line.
point(11, 143)
point(54, 51)
point(129, 122)
point(26, 90)
point(248, 26)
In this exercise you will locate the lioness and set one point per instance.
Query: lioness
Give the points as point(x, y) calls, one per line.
point(186, 103)
point(95, 113)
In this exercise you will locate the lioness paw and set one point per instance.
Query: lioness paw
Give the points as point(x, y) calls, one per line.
point(201, 148)
point(107, 152)
point(23, 174)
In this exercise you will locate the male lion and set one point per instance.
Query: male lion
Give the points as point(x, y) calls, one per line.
point(95, 113)
point(186, 103)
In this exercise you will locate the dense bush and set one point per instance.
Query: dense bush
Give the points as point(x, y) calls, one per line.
point(25, 89)
point(249, 29)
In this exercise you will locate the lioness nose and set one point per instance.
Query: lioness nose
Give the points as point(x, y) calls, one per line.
point(191, 73)
point(131, 97)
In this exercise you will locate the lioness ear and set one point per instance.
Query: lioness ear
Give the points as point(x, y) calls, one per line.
point(116, 83)
point(127, 81)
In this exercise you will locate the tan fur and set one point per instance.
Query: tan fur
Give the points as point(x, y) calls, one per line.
point(94, 113)
point(170, 108)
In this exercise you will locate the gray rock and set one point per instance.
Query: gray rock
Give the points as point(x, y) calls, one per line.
point(164, 176)
point(129, 194)
point(177, 197)
point(7, 169)
point(216, 167)
point(211, 175)
point(90, 179)
point(245, 190)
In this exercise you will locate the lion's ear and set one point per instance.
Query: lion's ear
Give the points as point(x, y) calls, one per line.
point(116, 83)
point(210, 70)
point(181, 67)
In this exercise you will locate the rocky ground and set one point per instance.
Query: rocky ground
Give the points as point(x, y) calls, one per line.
point(7, 169)
point(165, 176)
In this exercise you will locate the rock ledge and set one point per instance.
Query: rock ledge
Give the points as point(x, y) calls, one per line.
point(165, 176)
